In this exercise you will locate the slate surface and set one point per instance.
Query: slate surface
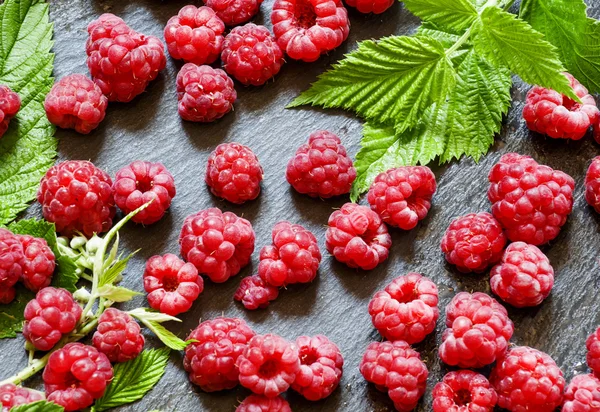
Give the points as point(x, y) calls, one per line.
point(335, 304)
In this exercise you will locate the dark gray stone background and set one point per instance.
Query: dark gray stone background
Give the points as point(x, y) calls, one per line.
point(335, 304)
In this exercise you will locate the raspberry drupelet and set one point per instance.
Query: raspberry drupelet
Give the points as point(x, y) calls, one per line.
point(258, 403)
point(11, 256)
point(12, 395)
point(37, 264)
point(255, 293)
point(370, 6)
point(593, 351)
point(407, 308)
point(464, 391)
point(118, 336)
point(10, 103)
point(234, 12)
point(592, 184)
point(582, 394)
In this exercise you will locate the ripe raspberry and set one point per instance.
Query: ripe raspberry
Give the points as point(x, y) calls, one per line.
point(37, 264)
point(118, 336)
point(122, 61)
point(593, 355)
point(251, 54)
point(212, 362)
point(255, 293)
point(592, 184)
point(7, 295)
point(478, 331)
point(321, 167)
point(407, 308)
point(402, 196)
point(548, 112)
point(141, 182)
point(268, 365)
point(582, 394)
point(257, 403)
point(293, 257)
point(76, 375)
point(321, 364)
point(172, 284)
point(234, 12)
point(524, 277)
point(12, 395)
point(531, 201)
point(10, 103)
point(195, 35)
point(473, 242)
point(11, 256)
point(52, 314)
point(527, 380)
point(218, 244)
point(464, 391)
point(204, 94)
point(396, 367)
point(76, 102)
point(234, 173)
point(370, 6)
point(305, 29)
point(77, 197)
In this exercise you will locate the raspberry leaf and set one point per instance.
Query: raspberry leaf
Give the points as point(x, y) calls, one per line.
point(454, 15)
point(152, 320)
point(117, 293)
point(39, 406)
point(11, 315)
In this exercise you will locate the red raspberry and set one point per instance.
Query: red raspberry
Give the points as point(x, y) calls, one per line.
point(218, 244)
point(464, 391)
point(592, 184)
point(396, 367)
point(251, 54)
point(407, 308)
point(268, 365)
point(473, 242)
point(234, 173)
point(531, 201)
point(234, 12)
point(141, 182)
point(52, 314)
point(12, 395)
point(255, 293)
point(37, 264)
point(7, 295)
point(76, 102)
point(305, 29)
point(11, 256)
point(257, 403)
point(212, 362)
point(118, 336)
point(321, 167)
point(357, 237)
point(293, 257)
point(321, 364)
point(593, 355)
point(370, 6)
point(122, 61)
point(548, 112)
point(478, 331)
point(524, 277)
point(76, 375)
point(527, 380)
point(402, 196)
point(582, 394)
point(172, 284)
point(10, 103)
point(77, 197)
point(204, 94)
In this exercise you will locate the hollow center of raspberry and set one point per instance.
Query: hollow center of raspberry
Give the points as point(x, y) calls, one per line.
point(462, 397)
point(170, 283)
point(144, 184)
point(268, 369)
point(407, 296)
point(308, 357)
point(570, 104)
point(304, 14)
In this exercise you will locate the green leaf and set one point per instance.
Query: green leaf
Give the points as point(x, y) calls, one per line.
point(576, 36)
point(117, 293)
point(39, 406)
point(11, 315)
point(111, 274)
point(454, 15)
point(133, 379)
point(152, 320)
point(28, 148)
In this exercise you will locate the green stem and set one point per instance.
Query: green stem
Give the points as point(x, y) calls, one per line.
point(459, 42)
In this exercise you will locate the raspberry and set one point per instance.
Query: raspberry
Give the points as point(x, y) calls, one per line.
point(37, 264)
point(7, 295)
point(294, 256)
point(121, 61)
point(464, 391)
point(548, 112)
point(255, 293)
point(592, 184)
point(118, 336)
point(407, 308)
point(234, 12)
point(321, 364)
point(531, 201)
point(218, 244)
point(357, 237)
point(257, 403)
point(76, 102)
point(76, 375)
point(212, 362)
point(527, 380)
point(77, 197)
point(251, 54)
point(52, 314)
point(141, 182)
point(402, 196)
point(172, 284)
point(234, 173)
point(478, 331)
point(524, 277)
point(473, 242)
point(582, 394)
point(396, 367)
point(12, 395)
point(268, 365)
point(204, 94)
point(11, 256)
point(305, 29)
point(593, 355)
point(10, 103)
point(370, 6)
point(321, 167)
